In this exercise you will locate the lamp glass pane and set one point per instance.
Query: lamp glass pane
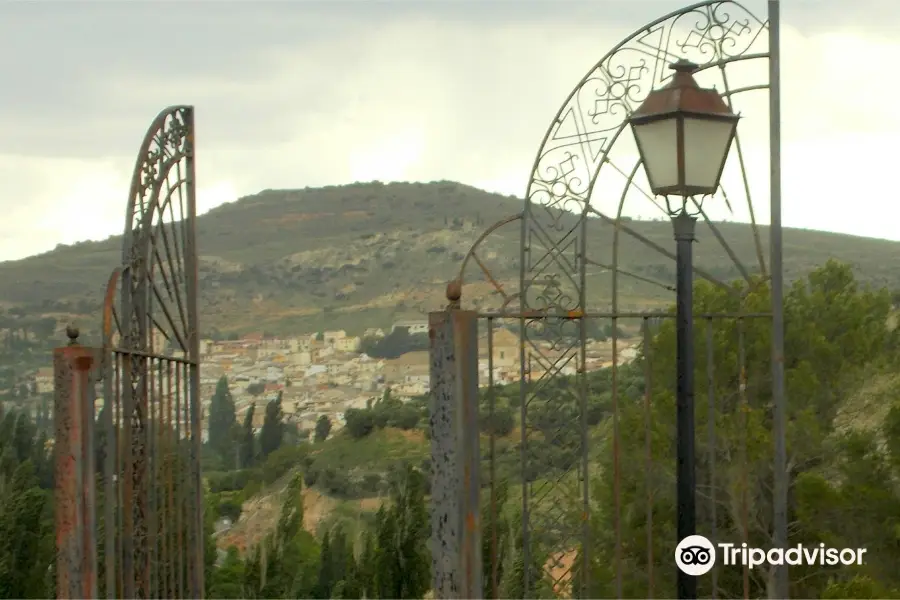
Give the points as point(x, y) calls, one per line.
point(706, 146)
point(658, 145)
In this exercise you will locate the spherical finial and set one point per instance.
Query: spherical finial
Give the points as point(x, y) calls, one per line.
point(454, 291)
point(73, 333)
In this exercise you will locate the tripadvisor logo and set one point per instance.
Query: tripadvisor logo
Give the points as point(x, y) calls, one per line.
point(695, 555)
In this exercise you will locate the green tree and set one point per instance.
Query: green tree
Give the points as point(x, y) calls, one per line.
point(495, 538)
point(393, 412)
point(44, 328)
point(273, 428)
point(327, 568)
point(323, 428)
point(513, 565)
point(345, 569)
point(365, 572)
point(247, 443)
point(360, 422)
point(402, 562)
point(228, 579)
point(836, 338)
point(500, 423)
point(854, 510)
point(210, 553)
point(222, 420)
point(27, 548)
point(286, 564)
point(396, 343)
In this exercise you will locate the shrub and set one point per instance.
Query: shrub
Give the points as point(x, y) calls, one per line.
point(359, 422)
point(231, 481)
point(281, 461)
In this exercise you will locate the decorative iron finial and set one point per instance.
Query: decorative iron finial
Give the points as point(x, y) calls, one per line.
point(454, 293)
point(73, 333)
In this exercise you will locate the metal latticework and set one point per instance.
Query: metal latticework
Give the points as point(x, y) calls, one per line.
point(143, 442)
point(577, 497)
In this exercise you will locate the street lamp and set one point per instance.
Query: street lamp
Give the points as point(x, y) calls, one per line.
point(683, 133)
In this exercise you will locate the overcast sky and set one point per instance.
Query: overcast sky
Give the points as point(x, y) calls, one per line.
point(301, 93)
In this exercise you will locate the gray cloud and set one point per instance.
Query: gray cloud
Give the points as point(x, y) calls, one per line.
point(874, 17)
point(300, 93)
point(72, 68)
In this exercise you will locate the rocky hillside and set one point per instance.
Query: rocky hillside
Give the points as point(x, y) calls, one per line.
point(367, 254)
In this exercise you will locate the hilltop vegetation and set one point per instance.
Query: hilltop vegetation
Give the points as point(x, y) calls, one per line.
point(366, 254)
point(843, 439)
point(843, 447)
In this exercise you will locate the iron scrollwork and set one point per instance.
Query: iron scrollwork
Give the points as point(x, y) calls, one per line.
point(157, 318)
point(554, 251)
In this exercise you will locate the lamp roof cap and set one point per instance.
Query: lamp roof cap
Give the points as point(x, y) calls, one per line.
point(684, 95)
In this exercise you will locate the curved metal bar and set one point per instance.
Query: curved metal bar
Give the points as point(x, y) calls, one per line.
point(748, 195)
point(697, 270)
point(722, 242)
point(149, 138)
point(665, 286)
point(622, 126)
point(154, 234)
point(629, 181)
point(628, 87)
point(612, 52)
point(748, 88)
point(481, 238)
point(109, 308)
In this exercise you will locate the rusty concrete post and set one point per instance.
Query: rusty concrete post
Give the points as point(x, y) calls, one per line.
point(455, 455)
point(76, 559)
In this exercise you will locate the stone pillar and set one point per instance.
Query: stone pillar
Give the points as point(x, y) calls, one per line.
point(76, 562)
point(455, 455)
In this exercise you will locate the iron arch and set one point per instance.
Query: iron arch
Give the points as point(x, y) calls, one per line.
point(157, 247)
point(156, 369)
point(556, 305)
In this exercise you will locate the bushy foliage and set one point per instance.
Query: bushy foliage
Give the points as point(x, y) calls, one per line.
point(396, 343)
point(843, 490)
point(323, 428)
point(843, 478)
point(272, 433)
point(387, 412)
point(27, 549)
point(389, 561)
point(222, 420)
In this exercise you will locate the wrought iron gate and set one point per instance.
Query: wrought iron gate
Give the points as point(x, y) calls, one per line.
point(571, 498)
point(127, 431)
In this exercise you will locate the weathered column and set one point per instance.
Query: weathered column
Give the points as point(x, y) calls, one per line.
point(76, 561)
point(455, 455)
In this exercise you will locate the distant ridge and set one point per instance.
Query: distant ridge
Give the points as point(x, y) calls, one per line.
point(368, 254)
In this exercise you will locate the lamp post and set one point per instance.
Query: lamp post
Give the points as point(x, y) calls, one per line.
point(683, 133)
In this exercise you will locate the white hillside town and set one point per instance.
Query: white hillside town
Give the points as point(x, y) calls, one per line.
point(326, 374)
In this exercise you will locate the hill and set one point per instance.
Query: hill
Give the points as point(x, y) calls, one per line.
point(366, 254)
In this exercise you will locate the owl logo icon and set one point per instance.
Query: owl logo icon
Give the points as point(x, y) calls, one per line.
point(695, 555)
